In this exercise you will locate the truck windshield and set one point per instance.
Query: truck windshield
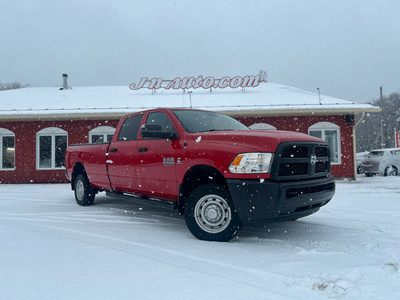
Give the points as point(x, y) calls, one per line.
point(194, 121)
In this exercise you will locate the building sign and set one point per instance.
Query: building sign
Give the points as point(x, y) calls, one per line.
point(397, 139)
point(198, 82)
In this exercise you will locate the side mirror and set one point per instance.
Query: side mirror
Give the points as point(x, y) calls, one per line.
point(154, 131)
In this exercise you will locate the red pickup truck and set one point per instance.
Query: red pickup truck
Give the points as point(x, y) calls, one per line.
point(216, 171)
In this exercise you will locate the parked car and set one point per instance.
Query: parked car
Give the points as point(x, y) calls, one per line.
point(359, 158)
point(381, 161)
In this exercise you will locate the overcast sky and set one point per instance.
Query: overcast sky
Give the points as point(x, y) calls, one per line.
point(346, 48)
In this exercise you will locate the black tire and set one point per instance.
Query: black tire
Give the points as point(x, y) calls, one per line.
point(391, 171)
point(84, 193)
point(369, 174)
point(210, 215)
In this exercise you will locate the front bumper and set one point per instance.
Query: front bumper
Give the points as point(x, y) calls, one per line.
point(265, 200)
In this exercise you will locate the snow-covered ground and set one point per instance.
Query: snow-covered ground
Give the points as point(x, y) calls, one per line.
point(50, 248)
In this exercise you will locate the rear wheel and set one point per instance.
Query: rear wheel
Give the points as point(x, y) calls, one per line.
point(84, 193)
point(210, 215)
point(390, 171)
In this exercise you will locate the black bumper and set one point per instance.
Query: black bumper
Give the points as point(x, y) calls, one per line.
point(258, 200)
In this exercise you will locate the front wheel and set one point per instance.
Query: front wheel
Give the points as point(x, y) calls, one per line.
point(84, 193)
point(210, 215)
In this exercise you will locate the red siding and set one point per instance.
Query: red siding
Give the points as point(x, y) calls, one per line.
point(25, 147)
point(78, 132)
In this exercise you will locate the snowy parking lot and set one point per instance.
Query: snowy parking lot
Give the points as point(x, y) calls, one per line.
point(51, 248)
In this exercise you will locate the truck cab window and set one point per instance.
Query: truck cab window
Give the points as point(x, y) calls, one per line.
point(159, 118)
point(130, 128)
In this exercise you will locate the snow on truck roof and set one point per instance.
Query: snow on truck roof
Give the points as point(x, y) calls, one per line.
point(115, 101)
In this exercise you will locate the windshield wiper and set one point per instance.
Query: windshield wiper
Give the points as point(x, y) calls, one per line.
point(209, 130)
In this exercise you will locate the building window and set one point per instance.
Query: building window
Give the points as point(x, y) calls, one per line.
point(102, 134)
point(51, 144)
point(262, 126)
point(7, 149)
point(331, 134)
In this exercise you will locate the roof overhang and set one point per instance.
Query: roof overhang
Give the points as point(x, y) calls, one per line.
point(231, 111)
point(300, 112)
point(62, 117)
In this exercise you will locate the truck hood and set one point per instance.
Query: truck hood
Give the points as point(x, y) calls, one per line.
point(259, 140)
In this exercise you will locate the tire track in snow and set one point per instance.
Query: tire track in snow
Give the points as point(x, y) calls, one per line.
point(169, 257)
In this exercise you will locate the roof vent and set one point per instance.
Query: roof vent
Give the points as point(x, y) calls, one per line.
point(65, 82)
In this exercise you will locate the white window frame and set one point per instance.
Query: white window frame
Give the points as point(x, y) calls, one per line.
point(263, 126)
point(323, 127)
point(52, 132)
point(5, 133)
point(101, 130)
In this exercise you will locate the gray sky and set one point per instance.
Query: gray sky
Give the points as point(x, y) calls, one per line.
point(347, 48)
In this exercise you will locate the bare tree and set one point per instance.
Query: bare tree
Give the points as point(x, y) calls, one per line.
point(368, 134)
point(11, 86)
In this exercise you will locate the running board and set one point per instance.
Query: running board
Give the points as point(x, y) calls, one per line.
point(142, 197)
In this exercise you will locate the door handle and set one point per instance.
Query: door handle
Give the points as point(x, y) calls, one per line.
point(113, 150)
point(142, 149)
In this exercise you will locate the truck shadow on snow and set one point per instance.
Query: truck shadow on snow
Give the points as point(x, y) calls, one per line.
point(143, 210)
point(291, 231)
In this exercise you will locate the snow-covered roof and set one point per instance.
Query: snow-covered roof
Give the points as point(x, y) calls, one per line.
point(114, 101)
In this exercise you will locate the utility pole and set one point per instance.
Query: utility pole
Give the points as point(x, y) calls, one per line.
point(190, 98)
point(382, 135)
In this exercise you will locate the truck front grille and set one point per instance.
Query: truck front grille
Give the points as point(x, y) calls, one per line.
point(322, 166)
point(301, 160)
point(293, 152)
point(288, 169)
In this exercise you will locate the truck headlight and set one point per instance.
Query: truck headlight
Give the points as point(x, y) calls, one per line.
point(251, 163)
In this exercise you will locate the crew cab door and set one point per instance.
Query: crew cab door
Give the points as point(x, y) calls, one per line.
point(156, 171)
point(123, 155)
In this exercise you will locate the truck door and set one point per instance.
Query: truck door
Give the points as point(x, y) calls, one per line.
point(123, 155)
point(158, 158)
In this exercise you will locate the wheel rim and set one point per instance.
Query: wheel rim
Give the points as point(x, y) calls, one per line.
point(80, 190)
point(212, 213)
